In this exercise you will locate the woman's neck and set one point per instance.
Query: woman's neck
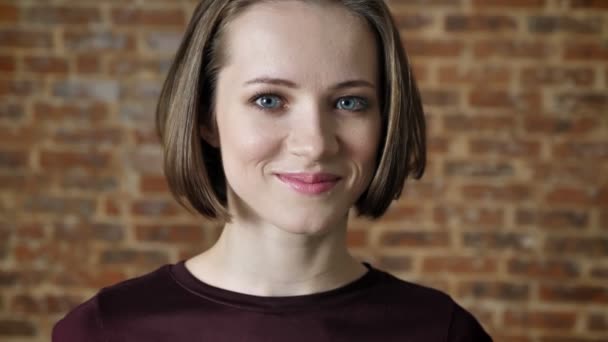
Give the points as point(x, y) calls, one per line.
point(267, 261)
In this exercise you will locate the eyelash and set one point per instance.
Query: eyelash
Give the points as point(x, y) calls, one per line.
point(364, 102)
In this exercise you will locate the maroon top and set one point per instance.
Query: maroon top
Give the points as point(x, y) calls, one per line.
point(170, 304)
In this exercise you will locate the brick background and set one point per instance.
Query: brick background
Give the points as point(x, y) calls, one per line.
point(511, 218)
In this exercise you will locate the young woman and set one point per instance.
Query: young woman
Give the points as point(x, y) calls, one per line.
point(278, 118)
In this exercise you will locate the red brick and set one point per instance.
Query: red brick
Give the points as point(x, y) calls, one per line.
point(570, 195)
point(60, 303)
point(7, 64)
point(153, 184)
point(88, 231)
point(563, 168)
point(17, 328)
point(513, 192)
point(544, 269)
point(524, 4)
point(111, 207)
point(601, 197)
point(545, 320)
point(481, 75)
point(59, 205)
point(512, 49)
point(401, 213)
point(574, 245)
point(394, 263)
point(507, 148)
point(585, 52)
point(13, 159)
point(84, 41)
point(45, 304)
point(148, 17)
point(18, 87)
point(14, 38)
point(433, 48)
point(556, 75)
point(564, 24)
point(88, 64)
point(553, 219)
point(458, 264)
point(60, 160)
point(175, 233)
point(144, 136)
point(422, 189)
point(515, 241)
point(414, 239)
point(12, 182)
point(581, 150)
point(437, 145)
point(154, 207)
point(123, 256)
point(30, 231)
point(499, 290)
point(413, 21)
point(468, 216)
point(46, 65)
point(559, 125)
point(494, 23)
point(557, 293)
point(132, 66)
point(440, 97)
point(473, 168)
point(63, 15)
point(98, 136)
point(581, 102)
point(461, 123)
point(9, 13)
point(357, 238)
point(597, 322)
point(93, 112)
point(484, 98)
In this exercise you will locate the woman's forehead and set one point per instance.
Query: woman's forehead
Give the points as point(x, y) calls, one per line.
point(300, 40)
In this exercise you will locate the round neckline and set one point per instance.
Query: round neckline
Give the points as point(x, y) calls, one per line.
point(340, 295)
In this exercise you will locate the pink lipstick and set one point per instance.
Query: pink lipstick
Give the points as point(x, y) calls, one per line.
point(309, 183)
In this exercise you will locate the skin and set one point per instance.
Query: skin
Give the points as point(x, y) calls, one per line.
point(281, 242)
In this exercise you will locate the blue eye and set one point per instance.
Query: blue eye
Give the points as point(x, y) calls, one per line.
point(352, 103)
point(268, 101)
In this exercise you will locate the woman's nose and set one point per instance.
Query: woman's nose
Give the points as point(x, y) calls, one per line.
point(314, 137)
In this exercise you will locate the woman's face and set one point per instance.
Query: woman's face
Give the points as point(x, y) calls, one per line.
point(297, 114)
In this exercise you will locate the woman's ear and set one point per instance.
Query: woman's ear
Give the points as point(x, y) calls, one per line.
point(210, 135)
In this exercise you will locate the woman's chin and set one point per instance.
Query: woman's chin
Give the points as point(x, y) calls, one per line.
point(310, 225)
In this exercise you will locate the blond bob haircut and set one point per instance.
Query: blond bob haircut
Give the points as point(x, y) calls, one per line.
point(193, 168)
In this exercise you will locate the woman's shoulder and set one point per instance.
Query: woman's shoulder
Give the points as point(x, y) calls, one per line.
point(86, 321)
point(416, 295)
point(427, 305)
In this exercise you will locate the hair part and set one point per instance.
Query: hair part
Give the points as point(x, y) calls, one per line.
point(193, 168)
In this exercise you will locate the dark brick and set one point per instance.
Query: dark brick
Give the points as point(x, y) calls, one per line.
point(466, 168)
point(413, 239)
point(17, 328)
point(553, 24)
point(133, 256)
point(499, 240)
point(573, 245)
point(499, 290)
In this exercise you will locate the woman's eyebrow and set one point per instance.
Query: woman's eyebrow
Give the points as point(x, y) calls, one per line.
point(290, 84)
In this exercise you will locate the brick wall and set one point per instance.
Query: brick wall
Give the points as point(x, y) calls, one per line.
point(511, 218)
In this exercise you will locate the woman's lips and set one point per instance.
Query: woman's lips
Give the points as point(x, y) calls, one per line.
point(309, 183)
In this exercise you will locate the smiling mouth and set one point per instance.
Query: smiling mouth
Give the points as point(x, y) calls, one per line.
point(309, 183)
